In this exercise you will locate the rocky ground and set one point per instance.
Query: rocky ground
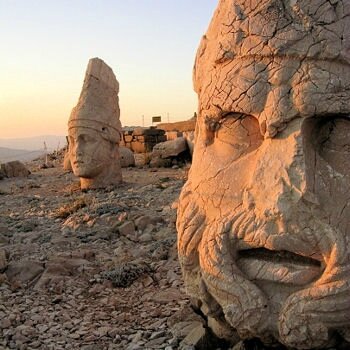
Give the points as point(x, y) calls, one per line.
point(91, 270)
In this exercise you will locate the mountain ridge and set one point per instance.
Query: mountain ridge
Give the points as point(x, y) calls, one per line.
point(34, 143)
point(9, 154)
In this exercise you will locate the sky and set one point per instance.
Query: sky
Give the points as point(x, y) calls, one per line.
point(46, 45)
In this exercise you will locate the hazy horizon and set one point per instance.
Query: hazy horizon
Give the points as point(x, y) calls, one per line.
point(34, 143)
point(149, 44)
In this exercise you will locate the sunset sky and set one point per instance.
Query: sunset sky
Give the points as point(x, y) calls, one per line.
point(46, 45)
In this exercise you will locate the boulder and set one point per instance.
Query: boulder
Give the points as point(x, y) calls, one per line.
point(170, 148)
point(126, 157)
point(14, 169)
point(24, 271)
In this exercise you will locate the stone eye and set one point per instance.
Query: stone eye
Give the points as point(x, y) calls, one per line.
point(238, 135)
point(332, 136)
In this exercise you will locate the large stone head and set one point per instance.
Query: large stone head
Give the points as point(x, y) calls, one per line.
point(264, 219)
point(94, 129)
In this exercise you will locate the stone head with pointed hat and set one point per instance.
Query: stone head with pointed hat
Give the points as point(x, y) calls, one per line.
point(264, 218)
point(94, 129)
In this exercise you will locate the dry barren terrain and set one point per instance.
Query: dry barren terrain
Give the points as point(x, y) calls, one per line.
point(90, 270)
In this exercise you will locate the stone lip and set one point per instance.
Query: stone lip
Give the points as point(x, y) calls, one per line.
point(278, 266)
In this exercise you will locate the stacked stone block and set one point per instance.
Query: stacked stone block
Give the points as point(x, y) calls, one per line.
point(142, 140)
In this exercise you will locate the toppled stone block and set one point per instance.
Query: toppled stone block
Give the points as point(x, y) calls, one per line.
point(14, 169)
point(165, 154)
point(170, 148)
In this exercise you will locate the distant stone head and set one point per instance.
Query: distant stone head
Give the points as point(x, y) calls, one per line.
point(94, 129)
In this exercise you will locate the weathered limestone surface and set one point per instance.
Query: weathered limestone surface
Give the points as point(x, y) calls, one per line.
point(263, 221)
point(94, 129)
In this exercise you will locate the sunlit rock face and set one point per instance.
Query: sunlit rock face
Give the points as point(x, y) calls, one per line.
point(94, 129)
point(264, 218)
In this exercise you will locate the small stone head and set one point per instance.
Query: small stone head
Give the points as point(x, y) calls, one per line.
point(264, 218)
point(94, 129)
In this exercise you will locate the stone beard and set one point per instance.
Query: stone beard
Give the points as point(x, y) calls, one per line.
point(264, 218)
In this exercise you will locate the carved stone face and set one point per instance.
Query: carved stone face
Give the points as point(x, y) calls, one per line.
point(94, 129)
point(93, 158)
point(264, 218)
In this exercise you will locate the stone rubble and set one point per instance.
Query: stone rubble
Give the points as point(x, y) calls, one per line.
point(91, 269)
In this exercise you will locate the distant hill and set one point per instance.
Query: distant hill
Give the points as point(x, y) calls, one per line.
point(53, 142)
point(8, 154)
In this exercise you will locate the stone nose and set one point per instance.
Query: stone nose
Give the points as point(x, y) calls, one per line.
point(78, 149)
point(280, 181)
